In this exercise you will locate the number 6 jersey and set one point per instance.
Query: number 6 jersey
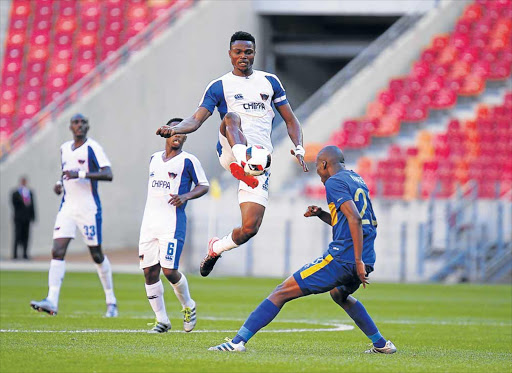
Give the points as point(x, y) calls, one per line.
point(174, 176)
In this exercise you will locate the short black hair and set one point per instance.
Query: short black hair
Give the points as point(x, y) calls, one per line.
point(79, 116)
point(172, 120)
point(242, 35)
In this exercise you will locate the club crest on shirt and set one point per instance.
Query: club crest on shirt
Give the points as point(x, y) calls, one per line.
point(239, 96)
point(172, 175)
point(152, 173)
point(81, 161)
point(264, 96)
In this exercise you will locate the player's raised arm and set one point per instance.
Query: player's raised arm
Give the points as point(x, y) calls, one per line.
point(188, 125)
point(349, 209)
point(295, 133)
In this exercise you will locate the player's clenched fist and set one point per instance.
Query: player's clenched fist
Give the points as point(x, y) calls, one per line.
point(57, 188)
point(178, 199)
point(313, 211)
point(165, 131)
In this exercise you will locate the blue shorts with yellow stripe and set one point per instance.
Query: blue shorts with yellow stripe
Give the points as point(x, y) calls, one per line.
point(326, 273)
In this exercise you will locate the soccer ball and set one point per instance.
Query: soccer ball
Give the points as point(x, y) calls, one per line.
point(258, 160)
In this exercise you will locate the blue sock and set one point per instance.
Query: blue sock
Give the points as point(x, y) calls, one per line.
point(363, 320)
point(260, 317)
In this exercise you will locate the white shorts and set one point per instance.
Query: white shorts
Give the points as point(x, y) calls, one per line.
point(164, 250)
point(87, 221)
point(257, 195)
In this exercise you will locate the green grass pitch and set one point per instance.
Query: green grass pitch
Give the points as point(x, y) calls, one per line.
point(436, 328)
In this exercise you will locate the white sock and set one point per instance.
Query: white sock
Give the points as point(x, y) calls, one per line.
point(239, 151)
point(105, 274)
point(155, 295)
point(55, 278)
point(182, 292)
point(226, 243)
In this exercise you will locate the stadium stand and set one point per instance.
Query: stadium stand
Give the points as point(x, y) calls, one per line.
point(52, 44)
point(455, 65)
point(474, 149)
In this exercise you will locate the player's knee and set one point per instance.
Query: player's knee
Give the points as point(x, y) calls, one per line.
point(280, 295)
point(340, 297)
point(232, 119)
point(250, 230)
point(58, 252)
point(173, 275)
point(97, 255)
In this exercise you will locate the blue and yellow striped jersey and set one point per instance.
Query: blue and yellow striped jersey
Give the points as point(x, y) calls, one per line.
point(344, 186)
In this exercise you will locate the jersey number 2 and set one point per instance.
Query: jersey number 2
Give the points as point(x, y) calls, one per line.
point(360, 192)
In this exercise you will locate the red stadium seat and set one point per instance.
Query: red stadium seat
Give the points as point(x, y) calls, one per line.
point(67, 8)
point(473, 85)
point(16, 38)
point(20, 9)
point(38, 53)
point(43, 10)
point(13, 54)
point(90, 10)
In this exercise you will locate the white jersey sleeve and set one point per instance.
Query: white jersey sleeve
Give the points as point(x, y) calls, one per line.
point(196, 171)
point(99, 153)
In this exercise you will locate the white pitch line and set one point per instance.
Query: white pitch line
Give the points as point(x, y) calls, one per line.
point(338, 328)
point(440, 322)
point(330, 327)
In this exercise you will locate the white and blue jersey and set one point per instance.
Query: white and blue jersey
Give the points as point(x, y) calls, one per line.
point(90, 157)
point(164, 226)
point(81, 206)
point(250, 97)
point(174, 176)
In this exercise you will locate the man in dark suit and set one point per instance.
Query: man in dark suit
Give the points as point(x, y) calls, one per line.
point(24, 214)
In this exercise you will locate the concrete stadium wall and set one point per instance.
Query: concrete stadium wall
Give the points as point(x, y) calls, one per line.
point(351, 100)
point(162, 81)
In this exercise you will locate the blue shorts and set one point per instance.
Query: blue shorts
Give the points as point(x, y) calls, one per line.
point(326, 273)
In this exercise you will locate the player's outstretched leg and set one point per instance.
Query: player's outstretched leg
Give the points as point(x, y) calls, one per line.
point(179, 283)
point(252, 216)
point(262, 315)
point(358, 313)
point(210, 259)
point(104, 270)
point(231, 128)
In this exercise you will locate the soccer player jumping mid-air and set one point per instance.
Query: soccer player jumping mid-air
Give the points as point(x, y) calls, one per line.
point(83, 163)
point(162, 234)
point(244, 99)
point(344, 265)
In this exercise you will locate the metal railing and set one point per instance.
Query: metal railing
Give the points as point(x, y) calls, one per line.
point(94, 78)
point(467, 252)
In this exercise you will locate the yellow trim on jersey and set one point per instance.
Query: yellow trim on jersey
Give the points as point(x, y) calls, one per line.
point(334, 215)
point(315, 268)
